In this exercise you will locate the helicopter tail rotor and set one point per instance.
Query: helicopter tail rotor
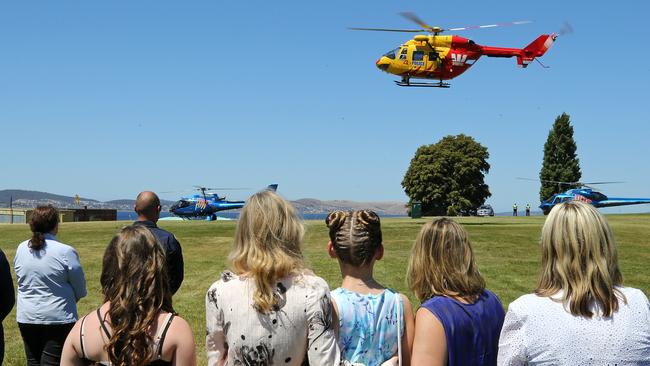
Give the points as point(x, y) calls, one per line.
point(537, 48)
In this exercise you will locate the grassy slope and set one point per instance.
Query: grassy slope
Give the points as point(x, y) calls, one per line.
point(506, 250)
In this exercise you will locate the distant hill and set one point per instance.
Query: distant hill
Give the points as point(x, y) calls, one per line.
point(31, 199)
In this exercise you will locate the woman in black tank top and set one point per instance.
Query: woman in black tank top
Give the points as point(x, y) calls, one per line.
point(137, 314)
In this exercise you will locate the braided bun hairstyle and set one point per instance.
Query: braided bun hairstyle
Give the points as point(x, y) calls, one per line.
point(355, 235)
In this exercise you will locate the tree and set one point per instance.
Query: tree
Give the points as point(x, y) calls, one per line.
point(561, 163)
point(447, 177)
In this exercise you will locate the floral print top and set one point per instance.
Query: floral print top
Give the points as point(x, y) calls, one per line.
point(298, 331)
point(368, 325)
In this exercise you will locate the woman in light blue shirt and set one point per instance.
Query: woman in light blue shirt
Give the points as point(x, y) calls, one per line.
point(50, 282)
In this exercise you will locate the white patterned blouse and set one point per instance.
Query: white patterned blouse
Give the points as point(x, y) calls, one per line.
point(298, 329)
point(539, 331)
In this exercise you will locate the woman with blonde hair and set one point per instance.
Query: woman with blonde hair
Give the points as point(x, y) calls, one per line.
point(579, 314)
point(459, 321)
point(269, 309)
point(136, 325)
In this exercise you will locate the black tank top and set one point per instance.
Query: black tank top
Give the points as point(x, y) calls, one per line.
point(158, 354)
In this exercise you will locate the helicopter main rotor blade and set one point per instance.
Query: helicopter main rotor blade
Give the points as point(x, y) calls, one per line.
point(519, 22)
point(414, 18)
point(585, 183)
point(390, 30)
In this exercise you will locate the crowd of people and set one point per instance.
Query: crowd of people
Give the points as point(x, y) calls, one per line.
point(269, 308)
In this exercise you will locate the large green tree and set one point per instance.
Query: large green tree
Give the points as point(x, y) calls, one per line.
point(447, 177)
point(561, 163)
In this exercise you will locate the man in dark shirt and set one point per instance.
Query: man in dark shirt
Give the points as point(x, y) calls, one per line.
point(147, 206)
point(7, 298)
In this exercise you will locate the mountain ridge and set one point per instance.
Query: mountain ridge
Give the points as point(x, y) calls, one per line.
point(31, 199)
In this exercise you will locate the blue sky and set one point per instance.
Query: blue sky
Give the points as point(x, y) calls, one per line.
point(105, 99)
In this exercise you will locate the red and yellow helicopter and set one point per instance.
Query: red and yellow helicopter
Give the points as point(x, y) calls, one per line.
point(441, 58)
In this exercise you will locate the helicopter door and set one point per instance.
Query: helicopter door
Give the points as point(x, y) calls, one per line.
point(418, 59)
point(432, 60)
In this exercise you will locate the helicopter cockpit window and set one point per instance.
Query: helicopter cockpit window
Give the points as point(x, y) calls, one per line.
point(432, 56)
point(402, 54)
point(182, 204)
point(391, 54)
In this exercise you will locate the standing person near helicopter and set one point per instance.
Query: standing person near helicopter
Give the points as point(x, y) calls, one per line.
point(147, 206)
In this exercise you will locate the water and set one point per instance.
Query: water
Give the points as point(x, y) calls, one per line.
point(131, 216)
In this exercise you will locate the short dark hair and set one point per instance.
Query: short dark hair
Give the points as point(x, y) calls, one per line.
point(147, 203)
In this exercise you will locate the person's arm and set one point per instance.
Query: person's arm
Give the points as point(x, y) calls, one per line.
point(185, 349)
point(175, 265)
point(322, 345)
point(512, 349)
point(76, 276)
point(409, 330)
point(215, 338)
point(430, 342)
point(7, 295)
point(70, 355)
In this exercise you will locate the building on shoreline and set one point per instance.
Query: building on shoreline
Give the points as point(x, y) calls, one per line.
point(22, 215)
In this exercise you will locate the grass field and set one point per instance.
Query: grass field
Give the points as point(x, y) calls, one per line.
point(506, 249)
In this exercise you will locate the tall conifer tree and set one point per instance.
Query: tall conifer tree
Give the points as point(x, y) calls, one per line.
point(561, 163)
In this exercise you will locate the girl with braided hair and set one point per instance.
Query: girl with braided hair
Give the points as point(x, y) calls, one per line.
point(372, 318)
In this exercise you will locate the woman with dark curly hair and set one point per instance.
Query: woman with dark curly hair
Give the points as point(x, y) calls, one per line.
point(136, 325)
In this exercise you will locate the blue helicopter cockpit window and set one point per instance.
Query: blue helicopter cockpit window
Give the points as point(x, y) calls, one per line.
point(418, 55)
point(391, 54)
point(182, 204)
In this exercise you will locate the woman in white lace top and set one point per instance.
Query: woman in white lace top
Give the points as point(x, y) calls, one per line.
point(579, 314)
point(269, 309)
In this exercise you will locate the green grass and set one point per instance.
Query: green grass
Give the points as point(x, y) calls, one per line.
point(506, 249)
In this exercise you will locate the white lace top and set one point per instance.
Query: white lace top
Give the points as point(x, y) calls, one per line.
point(539, 331)
point(298, 328)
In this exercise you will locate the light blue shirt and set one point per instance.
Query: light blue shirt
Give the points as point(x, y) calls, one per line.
point(50, 282)
point(368, 325)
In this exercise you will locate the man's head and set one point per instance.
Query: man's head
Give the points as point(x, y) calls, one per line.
point(147, 206)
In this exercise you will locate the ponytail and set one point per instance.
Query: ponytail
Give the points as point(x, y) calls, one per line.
point(44, 219)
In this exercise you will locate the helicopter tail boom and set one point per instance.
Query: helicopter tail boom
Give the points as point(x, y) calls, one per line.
point(525, 56)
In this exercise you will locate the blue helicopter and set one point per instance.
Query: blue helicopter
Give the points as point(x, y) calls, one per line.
point(583, 192)
point(206, 204)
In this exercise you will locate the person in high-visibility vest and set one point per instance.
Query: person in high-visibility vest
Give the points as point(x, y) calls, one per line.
point(514, 210)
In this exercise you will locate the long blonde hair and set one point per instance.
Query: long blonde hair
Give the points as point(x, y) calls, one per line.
point(134, 281)
point(267, 245)
point(442, 263)
point(579, 259)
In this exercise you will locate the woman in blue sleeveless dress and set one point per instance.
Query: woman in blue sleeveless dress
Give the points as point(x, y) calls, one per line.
point(459, 321)
point(372, 318)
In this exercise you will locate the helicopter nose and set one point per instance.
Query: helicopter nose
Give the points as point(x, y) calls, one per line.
point(383, 63)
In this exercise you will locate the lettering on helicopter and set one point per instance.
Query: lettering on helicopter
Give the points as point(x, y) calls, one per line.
point(458, 59)
point(579, 197)
point(450, 55)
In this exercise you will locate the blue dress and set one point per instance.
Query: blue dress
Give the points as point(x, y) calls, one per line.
point(368, 325)
point(472, 330)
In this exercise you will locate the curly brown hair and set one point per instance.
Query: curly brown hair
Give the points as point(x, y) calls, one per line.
point(134, 281)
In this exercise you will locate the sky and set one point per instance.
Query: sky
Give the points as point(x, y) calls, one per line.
point(105, 99)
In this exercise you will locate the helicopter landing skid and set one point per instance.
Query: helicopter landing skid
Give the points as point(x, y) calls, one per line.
point(430, 85)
